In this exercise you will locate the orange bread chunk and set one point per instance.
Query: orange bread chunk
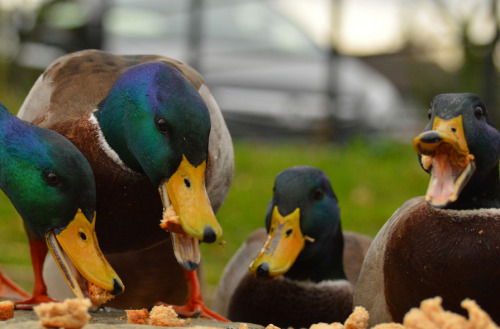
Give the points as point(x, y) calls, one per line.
point(170, 221)
point(98, 295)
point(358, 319)
point(137, 316)
point(70, 314)
point(164, 316)
point(6, 310)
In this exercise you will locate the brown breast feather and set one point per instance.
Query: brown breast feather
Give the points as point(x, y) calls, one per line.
point(452, 254)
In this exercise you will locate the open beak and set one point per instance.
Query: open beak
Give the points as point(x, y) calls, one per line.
point(187, 206)
point(446, 155)
point(284, 243)
point(77, 253)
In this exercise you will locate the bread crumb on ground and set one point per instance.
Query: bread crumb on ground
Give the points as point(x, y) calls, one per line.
point(431, 315)
point(137, 316)
point(358, 319)
point(243, 326)
point(391, 325)
point(477, 317)
point(322, 325)
point(6, 310)
point(164, 316)
point(272, 326)
point(69, 314)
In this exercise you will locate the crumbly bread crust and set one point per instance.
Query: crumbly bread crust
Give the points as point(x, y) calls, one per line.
point(164, 316)
point(98, 295)
point(69, 314)
point(170, 221)
point(6, 310)
point(137, 316)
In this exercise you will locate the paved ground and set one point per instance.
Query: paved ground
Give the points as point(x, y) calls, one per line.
point(107, 319)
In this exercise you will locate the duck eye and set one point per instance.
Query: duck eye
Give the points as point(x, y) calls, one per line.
point(83, 236)
point(429, 113)
point(318, 194)
point(478, 112)
point(51, 178)
point(162, 126)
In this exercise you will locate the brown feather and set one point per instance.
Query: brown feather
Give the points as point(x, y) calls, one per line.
point(447, 253)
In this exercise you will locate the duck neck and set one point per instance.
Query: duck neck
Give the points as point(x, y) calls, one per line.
point(326, 263)
point(112, 131)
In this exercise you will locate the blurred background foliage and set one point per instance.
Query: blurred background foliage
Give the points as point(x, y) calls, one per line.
point(342, 85)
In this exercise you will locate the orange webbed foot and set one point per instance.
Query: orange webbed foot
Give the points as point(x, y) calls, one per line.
point(194, 310)
point(34, 300)
point(10, 290)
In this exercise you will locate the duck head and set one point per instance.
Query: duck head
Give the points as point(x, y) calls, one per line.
point(158, 125)
point(304, 231)
point(460, 149)
point(52, 186)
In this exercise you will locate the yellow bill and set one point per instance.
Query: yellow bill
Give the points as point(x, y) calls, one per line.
point(284, 243)
point(185, 197)
point(77, 253)
point(446, 155)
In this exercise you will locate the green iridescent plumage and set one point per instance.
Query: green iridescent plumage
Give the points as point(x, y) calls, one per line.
point(155, 94)
point(44, 175)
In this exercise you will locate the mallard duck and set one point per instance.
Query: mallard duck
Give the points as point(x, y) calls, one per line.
point(146, 124)
point(301, 269)
point(447, 243)
point(51, 185)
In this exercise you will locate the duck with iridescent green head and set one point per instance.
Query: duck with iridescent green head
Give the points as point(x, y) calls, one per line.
point(146, 124)
point(51, 185)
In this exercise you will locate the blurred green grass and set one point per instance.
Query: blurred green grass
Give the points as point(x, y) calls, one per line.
point(371, 180)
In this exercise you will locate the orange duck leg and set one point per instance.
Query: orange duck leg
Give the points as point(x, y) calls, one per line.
point(38, 250)
point(195, 307)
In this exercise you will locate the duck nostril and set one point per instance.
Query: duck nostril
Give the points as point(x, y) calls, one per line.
point(117, 288)
point(209, 235)
point(431, 137)
point(187, 182)
point(453, 129)
point(263, 270)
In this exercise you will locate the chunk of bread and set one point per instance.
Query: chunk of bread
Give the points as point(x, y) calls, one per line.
point(164, 316)
point(170, 221)
point(137, 316)
point(98, 295)
point(6, 310)
point(69, 314)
